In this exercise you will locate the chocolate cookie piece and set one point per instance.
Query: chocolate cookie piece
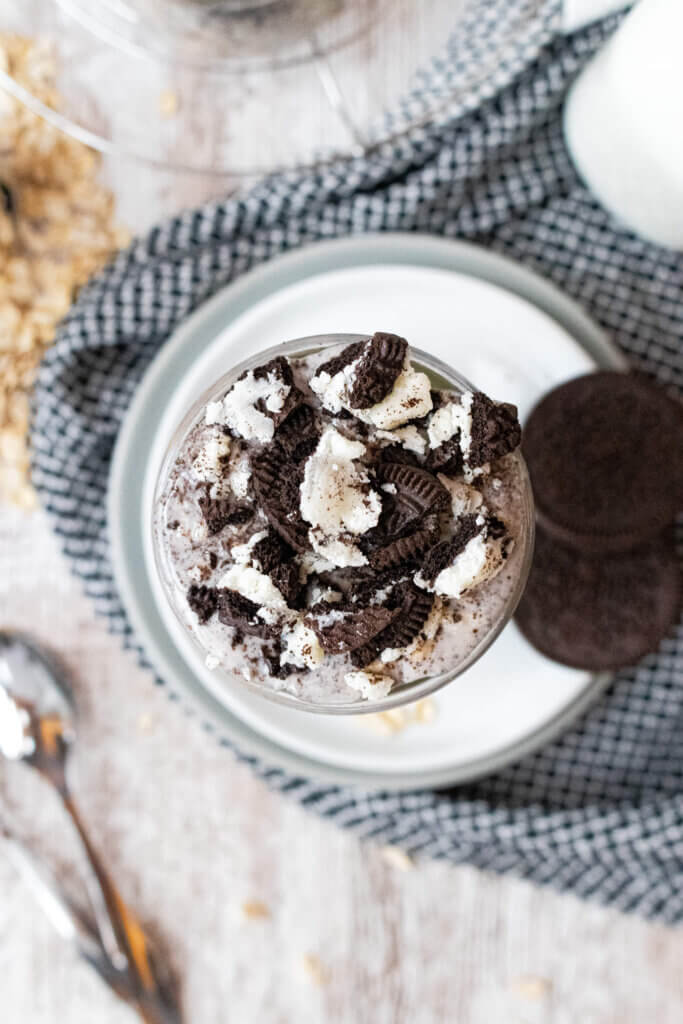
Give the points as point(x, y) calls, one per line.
point(444, 553)
point(298, 436)
point(418, 493)
point(346, 356)
point(495, 430)
point(447, 457)
point(274, 557)
point(411, 610)
point(408, 547)
point(238, 611)
point(605, 455)
point(280, 369)
point(382, 361)
point(349, 627)
point(600, 613)
point(398, 455)
point(276, 483)
point(203, 601)
point(221, 512)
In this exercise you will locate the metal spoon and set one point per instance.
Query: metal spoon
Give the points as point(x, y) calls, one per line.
point(37, 726)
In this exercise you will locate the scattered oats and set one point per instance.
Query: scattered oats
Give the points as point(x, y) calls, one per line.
point(315, 969)
point(397, 858)
point(145, 723)
point(389, 723)
point(56, 230)
point(169, 103)
point(254, 910)
point(532, 988)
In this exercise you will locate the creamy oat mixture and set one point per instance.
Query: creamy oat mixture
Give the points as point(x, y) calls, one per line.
point(334, 526)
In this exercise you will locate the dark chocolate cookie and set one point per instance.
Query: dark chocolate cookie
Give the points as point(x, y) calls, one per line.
point(203, 601)
point(599, 612)
point(411, 610)
point(221, 512)
point(280, 369)
point(605, 455)
point(495, 430)
point(381, 363)
point(241, 613)
point(276, 483)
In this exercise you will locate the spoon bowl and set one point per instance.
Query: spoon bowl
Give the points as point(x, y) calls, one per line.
point(37, 720)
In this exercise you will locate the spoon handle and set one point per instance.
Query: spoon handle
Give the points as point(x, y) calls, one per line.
point(115, 921)
point(69, 924)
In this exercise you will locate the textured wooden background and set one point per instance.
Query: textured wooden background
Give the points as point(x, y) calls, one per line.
point(191, 837)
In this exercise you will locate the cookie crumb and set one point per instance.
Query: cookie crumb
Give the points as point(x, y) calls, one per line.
point(145, 723)
point(255, 910)
point(397, 858)
point(531, 987)
point(313, 966)
point(169, 103)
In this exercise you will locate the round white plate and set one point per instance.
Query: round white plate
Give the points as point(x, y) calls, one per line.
point(464, 305)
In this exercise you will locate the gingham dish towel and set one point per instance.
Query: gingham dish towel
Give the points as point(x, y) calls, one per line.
point(600, 811)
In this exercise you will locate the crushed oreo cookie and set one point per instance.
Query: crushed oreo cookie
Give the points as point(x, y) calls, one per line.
point(203, 601)
point(279, 370)
point(241, 613)
point(221, 512)
point(445, 553)
point(495, 430)
point(341, 630)
point(276, 486)
point(299, 434)
point(382, 359)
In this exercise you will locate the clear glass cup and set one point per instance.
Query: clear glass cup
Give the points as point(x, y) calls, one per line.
point(441, 376)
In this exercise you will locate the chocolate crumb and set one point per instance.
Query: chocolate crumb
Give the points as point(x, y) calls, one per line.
point(203, 601)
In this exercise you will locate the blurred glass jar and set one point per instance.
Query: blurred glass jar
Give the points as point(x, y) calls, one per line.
point(210, 94)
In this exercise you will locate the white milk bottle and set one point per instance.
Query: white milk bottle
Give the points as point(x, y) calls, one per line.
point(624, 122)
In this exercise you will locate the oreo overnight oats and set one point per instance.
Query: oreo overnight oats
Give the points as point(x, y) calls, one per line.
point(336, 524)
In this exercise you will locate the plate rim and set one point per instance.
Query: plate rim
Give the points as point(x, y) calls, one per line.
point(390, 248)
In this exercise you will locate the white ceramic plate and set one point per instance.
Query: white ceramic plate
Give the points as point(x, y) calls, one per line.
point(465, 306)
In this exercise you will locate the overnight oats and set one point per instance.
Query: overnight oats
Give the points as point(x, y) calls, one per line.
point(344, 525)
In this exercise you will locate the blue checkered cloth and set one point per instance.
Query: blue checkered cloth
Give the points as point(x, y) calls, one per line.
point(600, 811)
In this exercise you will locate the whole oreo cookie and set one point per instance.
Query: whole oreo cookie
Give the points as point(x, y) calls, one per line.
point(605, 455)
point(599, 613)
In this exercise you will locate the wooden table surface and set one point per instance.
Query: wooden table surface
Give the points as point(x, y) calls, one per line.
point(191, 837)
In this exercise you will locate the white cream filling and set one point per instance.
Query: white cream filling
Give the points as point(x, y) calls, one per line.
point(478, 561)
point(334, 391)
point(408, 437)
point(335, 499)
point(241, 553)
point(255, 585)
point(464, 499)
point(301, 646)
point(208, 465)
point(370, 685)
point(239, 477)
point(238, 411)
point(450, 418)
point(408, 399)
